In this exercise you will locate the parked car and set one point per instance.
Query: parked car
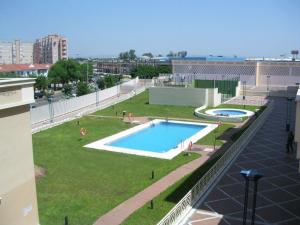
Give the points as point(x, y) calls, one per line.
point(38, 95)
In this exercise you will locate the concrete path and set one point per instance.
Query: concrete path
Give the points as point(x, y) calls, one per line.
point(278, 199)
point(122, 211)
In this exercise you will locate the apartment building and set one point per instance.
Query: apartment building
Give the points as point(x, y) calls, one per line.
point(18, 202)
point(16, 52)
point(50, 49)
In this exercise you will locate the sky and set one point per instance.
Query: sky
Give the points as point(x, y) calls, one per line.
point(247, 28)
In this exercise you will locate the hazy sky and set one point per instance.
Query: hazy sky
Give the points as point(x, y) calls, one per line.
point(201, 27)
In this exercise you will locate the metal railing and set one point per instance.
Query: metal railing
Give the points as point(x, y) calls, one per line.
point(178, 212)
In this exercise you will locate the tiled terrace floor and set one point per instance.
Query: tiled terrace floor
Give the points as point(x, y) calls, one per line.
point(278, 200)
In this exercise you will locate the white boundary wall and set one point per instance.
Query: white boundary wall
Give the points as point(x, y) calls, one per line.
point(42, 113)
point(184, 96)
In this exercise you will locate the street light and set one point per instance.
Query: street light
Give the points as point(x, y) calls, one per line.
point(250, 175)
point(288, 112)
point(244, 92)
point(268, 83)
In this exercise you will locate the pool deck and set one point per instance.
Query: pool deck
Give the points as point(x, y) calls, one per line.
point(121, 212)
point(278, 200)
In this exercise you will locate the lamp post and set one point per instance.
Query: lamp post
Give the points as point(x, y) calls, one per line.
point(268, 83)
point(288, 113)
point(254, 176)
point(51, 111)
point(244, 92)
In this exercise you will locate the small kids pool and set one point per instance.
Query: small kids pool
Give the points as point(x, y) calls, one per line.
point(158, 138)
point(229, 112)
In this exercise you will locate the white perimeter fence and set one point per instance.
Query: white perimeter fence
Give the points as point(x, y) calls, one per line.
point(56, 109)
point(179, 211)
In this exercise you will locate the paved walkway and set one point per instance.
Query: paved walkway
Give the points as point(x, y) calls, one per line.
point(278, 200)
point(122, 211)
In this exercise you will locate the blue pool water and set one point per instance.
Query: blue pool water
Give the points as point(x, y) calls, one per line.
point(229, 112)
point(160, 137)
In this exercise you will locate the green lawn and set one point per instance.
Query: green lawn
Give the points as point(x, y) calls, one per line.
point(84, 184)
point(139, 107)
point(209, 139)
point(164, 202)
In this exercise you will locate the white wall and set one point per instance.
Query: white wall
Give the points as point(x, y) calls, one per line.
point(184, 96)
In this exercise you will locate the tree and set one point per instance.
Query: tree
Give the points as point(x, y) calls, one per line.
point(82, 88)
point(131, 54)
point(65, 71)
point(163, 69)
point(86, 67)
point(41, 83)
point(148, 54)
point(182, 54)
point(171, 54)
point(128, 55)
point(101, 84)
point(67, 90)
point(149, 71)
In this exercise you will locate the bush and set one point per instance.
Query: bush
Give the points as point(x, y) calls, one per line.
point(82, 88)
point(67, 90)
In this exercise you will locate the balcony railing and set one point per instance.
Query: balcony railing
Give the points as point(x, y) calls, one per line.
point(179, 211)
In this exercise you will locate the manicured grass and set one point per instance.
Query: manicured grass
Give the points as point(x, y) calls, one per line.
point(139, 106)
point(164, 202)
point(83, 183)
point(209, 139)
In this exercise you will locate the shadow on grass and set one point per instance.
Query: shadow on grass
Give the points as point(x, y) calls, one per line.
point(190, 181)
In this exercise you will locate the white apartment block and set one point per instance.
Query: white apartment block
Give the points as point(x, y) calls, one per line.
point(50, 49)
point(16, 52)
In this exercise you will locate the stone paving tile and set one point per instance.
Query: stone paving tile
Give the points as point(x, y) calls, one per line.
point(260, 200)
point(234, 189)
point(295, 189)
point(224, 206)
point(281, 181)
point(273, 214)
point(237, 217)
point(294, 176)
point(226, 180)
point(278, 196)
point(292, 207)
point(215, 195)
point(291, 222)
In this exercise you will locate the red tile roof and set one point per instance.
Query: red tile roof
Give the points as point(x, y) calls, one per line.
point(21, 67)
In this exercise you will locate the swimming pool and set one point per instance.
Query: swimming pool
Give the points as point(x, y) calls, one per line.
point(158, 138)
point(228, 112)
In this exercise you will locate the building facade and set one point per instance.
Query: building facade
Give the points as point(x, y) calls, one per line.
point(16, 52)
point(259, 73)
point(18, 205)
point(50, 49)
point(26, 70)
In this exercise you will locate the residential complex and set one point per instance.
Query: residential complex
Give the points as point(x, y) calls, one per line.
point(50, 49)
point(16, 52)
point(47, 50)
point(26, 70)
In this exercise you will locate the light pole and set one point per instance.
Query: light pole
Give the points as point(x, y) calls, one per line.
point(244, 92)
point(288, 113)
point(268, 83)
point(254, 176)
